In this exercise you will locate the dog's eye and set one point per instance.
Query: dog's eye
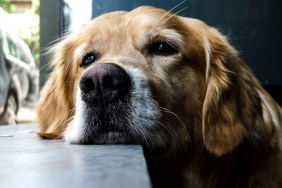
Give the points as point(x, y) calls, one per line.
point(88, 59)
point(162, 48)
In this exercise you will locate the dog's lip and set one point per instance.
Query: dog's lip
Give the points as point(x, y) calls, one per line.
point(111, 129)
point(114, 133)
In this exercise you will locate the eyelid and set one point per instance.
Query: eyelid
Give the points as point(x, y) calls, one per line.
point(173, 37)
point(162, 48)
point(97, 57)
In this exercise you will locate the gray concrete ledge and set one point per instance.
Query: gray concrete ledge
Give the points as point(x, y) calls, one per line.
point(27, 161)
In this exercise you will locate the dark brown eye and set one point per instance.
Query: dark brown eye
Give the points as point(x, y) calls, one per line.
point(88, 59)
point(162, 49)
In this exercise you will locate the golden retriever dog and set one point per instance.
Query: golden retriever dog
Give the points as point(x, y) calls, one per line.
point(173, 85)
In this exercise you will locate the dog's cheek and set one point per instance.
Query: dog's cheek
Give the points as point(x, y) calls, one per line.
point(169, 97)
point(75, 129)
point(143, 105)
point(144, 110)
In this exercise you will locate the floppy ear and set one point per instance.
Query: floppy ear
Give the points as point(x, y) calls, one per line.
point(232, 103)
point(56, 102)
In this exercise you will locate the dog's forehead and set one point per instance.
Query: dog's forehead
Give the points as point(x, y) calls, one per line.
point(140, 15)
point(113, 32)
point(138, 20)
point(149, 16)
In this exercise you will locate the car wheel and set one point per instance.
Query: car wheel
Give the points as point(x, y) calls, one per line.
point(10, 114)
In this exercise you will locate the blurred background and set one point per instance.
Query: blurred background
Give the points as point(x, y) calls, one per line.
point(29, 27)
point(19, 60)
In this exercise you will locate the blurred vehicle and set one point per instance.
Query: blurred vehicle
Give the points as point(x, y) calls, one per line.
point(19, 77)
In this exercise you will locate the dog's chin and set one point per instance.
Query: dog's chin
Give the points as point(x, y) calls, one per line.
point(106, 125)
point(123, 138)
point(110, 137)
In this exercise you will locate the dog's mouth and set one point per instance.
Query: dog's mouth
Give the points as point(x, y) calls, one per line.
point(104, 125)
point(108, 126)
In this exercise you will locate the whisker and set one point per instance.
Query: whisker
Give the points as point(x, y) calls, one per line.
point(178, 118)
point(173, 15)
point(137, 129)
point(171, 10)
point(169, 130)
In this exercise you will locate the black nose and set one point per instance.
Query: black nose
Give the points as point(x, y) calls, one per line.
point(103, 83)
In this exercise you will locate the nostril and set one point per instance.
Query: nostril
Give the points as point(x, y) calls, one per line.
point(87, 85)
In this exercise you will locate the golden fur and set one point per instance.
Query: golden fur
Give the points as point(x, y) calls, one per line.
point(223, 127)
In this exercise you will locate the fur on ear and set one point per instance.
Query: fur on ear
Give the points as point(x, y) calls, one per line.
point(55, 105)
point(232, 103)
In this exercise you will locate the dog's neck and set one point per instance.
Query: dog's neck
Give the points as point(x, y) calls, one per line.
point(203, 169)
point(166, 171)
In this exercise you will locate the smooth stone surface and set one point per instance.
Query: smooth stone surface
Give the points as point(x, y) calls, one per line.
point(27, 161)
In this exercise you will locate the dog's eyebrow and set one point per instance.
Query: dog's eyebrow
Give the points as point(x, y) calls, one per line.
point(169, 35)
point(81, 51)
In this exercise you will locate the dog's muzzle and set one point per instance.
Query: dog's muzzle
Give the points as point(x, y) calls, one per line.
point(103, 105)
point(113, 106)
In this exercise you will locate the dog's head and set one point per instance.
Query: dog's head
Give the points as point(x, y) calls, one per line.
point(149, 77)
